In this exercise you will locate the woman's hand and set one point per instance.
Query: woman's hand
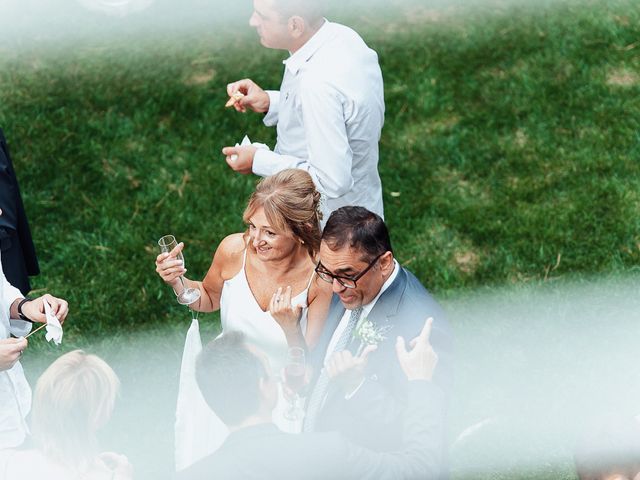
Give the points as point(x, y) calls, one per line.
point(287, 315)
point(169, 267)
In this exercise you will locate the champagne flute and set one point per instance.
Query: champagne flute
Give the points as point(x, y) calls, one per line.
point(188, 295)
point(294, 377)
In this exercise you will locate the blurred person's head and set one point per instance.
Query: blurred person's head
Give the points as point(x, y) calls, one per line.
point(609, 450)
point(355, 255)
point(286, 24)
point(73, 398)
point(235, 381)
point(284, 213)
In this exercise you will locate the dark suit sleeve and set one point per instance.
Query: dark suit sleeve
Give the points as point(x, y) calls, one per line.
point(8, 190)
point(422, 448)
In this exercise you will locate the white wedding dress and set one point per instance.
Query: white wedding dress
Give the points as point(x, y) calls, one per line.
point(198, 431)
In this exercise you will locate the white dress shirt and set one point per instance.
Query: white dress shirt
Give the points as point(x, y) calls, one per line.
point(329, 114)
point(15, 394)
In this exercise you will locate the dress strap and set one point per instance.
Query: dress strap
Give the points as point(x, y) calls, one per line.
point(244, 256)
point(313, 274)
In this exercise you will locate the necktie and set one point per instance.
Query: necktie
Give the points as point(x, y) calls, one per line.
point(320, 390)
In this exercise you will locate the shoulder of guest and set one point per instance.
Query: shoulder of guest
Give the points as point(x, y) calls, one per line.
point(231, 247)
point(319, 288)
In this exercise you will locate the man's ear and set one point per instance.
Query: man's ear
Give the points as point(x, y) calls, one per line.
point(297, 26)
point(386, 263)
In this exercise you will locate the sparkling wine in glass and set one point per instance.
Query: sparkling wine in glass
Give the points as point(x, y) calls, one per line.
point(188, 295)
point(294, 377)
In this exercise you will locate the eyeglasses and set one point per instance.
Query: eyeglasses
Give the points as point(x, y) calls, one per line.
point(346, 282)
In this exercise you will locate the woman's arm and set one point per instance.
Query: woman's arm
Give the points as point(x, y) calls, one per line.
point(227, 257)
point(319, 299)
point(227, 261)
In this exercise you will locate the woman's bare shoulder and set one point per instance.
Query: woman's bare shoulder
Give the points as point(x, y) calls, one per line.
point(319, 289)
point(230, 253)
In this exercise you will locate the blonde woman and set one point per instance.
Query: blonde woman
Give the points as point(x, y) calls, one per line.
point(73, 399)
point(263, 279)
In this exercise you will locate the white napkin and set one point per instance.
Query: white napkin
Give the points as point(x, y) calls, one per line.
point(246, 142)
point(54, 329)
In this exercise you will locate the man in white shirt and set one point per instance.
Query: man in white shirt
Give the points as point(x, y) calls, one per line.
point(364, 393)
point(329, 110)
point(17, 314)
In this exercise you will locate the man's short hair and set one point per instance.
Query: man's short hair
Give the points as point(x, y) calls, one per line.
point(358, 228)
point(228, 375)
point(311, 10)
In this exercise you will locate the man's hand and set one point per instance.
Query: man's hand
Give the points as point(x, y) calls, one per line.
point(420, 362)
point(254, 98)
point(10, 351)
point(240, 159)
point(347, 370)
point(34, 310)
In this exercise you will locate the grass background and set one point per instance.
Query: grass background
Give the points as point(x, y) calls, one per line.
point(509, 157)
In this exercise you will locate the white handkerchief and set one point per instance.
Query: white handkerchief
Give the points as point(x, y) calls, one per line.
point(245, 142)
point(54, 329)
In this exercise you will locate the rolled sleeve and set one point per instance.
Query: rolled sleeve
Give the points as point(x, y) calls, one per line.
point(266, 162)
point(271, 118)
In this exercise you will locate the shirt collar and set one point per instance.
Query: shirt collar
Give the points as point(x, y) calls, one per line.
point(295, 62)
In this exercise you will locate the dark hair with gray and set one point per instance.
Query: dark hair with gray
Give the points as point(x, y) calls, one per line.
point(359, 229)
point(311, 10)
point(228, 375)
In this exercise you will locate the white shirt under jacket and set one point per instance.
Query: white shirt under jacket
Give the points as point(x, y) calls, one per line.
point(329, 114)
point(15, 394)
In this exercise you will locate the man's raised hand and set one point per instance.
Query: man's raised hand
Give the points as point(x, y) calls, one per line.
point(255, 98)
point(348, 370)
point(419, 362)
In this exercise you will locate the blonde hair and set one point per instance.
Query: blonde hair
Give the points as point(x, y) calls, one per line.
point(291, 203)
point(74, 397)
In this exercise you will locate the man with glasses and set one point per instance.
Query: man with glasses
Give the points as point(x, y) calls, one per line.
point(360, 389)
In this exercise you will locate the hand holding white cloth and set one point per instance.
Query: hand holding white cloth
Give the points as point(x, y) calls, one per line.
point(246, 142)
point(54, 328)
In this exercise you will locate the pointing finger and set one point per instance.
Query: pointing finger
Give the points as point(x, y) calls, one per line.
point(367, 351)
point(426, 330)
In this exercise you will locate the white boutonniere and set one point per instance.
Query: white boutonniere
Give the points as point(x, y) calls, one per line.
point(370, 334)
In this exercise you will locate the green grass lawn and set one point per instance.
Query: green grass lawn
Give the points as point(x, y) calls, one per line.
point(509, 158)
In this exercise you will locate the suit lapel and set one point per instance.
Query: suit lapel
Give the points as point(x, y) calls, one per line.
point(387, 305)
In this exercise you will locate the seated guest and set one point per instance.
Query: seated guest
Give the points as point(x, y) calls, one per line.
point(364, 394)
point(74, 398)
point(17, 315)
point(236, 382)
point(263, 280)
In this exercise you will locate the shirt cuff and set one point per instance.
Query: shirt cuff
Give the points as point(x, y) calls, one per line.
point(271, 118)
point(263, 163)
point(19, 328)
